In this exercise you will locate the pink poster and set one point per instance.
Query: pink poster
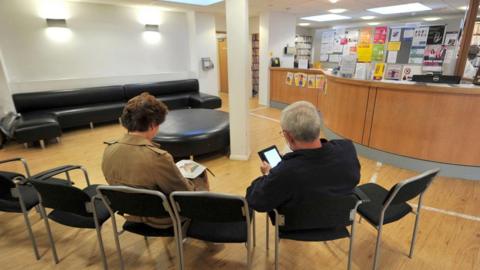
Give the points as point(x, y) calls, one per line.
point(380, 35)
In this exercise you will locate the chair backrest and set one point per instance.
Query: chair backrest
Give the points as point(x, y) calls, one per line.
point(60, 196)
point(410, 188)
point(209, 206)
point(323, 212)
point(135, 201)
point(7, 124)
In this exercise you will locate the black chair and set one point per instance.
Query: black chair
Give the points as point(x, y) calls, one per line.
point(138, 202)
point(325, 219)
point(387, 206)
point(16, 197)
point(215, 217)
point(71, 206)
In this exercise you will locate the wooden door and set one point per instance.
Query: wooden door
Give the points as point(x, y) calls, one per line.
point(223, 63)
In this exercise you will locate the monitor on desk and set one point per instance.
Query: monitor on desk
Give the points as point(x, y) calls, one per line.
point(437, 79)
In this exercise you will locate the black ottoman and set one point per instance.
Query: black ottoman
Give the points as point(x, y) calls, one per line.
point(38, 128)
point(193, 132)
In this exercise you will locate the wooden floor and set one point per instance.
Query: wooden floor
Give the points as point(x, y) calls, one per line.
point(449, 235)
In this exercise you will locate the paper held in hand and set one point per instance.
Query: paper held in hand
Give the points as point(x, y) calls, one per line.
point(190, 169)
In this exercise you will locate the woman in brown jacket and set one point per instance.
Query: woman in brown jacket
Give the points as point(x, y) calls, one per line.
point(134, 160)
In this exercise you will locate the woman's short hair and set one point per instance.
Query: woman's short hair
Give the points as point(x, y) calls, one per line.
point(143, 111)
point(301, 121)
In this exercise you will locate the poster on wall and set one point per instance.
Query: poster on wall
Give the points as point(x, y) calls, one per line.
point(420, 37)
point(392, 57)
point(361, 71)
point(334, 58)
point(319, 81)
point(416, 55)
point(311, 81)
point(395, 34)
point(289, 78)
point(378, 53)
point(323, 57)
point(300, 79)
point(380, 35)
point(408, 33)
point(394, 46)
point(378, 71)
point(451, 39)
point(350, 49)
point(365, 37)
point(347, 66)
point(364, 53)
point(433, 58)
point(352, 36)
point(393, 72)
point(409, 71)
point(327, 37)
point(435, 35)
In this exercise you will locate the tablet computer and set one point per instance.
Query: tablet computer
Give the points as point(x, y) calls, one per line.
point(270, 155)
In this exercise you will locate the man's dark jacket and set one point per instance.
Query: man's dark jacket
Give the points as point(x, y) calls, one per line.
point(302, 175)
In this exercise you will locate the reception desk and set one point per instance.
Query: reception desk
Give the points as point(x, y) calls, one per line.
point(431, 122)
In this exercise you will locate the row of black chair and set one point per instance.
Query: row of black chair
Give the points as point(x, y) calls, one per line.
point(207, 216)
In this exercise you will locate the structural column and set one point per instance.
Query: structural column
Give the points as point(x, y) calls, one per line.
point(466, 39)
point(238, 77)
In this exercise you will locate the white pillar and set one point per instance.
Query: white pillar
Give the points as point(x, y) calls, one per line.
point(238, 77)
point(6, 103)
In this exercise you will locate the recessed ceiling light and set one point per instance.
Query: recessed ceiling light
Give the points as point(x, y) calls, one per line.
point(337, 10)
point(373, 23)
point(431, 19)
point(326, 18)
point(333, 1)
point(368, 17)
point(196, 2)
point(304, 24)
point(406, 8)
point(463, 7)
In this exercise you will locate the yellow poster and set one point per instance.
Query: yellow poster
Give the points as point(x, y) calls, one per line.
point(364, 53)
point(289, 79)
point(379, 70)
point(320, 81)
point(311, 81)
point(394, 46)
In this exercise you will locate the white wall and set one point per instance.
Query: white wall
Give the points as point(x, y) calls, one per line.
point(221, 24)
point(277, 30)
point(205, 45)
point(6, 103)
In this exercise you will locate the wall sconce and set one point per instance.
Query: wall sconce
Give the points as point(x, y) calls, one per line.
point(57, 30)
point(151, 35)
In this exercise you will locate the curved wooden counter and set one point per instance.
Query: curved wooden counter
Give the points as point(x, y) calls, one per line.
point(437, 123)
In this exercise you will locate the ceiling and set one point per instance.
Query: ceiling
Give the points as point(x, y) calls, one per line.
point(301, 8)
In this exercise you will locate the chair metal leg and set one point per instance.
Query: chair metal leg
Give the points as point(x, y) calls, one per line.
point(254, 230)
point(58, 140)
point(350, 250)
point(277, 247)
point(377, 247)
point(25, 145)
point(30, 232)
point(98, 228)
point(415, 228)
point(42, 144)
point(120, 121)
point(50, 236)
point(266, 231)
point(117, 242)
point(179, 238)
point(91, 125)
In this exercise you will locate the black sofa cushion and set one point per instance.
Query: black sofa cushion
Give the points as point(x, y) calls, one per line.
point(205, 101)
point(97, 113)
point(41, 126)
point(162, 88)
point(175, 102)
point(49, 100)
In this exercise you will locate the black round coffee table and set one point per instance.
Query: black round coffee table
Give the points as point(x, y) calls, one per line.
point(192, 132)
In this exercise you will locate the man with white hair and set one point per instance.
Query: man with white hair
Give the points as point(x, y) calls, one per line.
point(316, 166)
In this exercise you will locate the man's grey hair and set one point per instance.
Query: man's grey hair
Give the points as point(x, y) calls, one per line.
point(301, 121)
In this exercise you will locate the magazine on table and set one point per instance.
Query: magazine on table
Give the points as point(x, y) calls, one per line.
point(190, 169)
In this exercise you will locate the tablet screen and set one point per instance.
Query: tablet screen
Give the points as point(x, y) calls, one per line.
point(272, 157)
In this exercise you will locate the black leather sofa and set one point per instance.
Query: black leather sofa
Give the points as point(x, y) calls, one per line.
point(44, 114)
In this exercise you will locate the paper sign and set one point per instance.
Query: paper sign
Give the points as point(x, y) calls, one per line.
point(379, 70)
point(300, 79)
point(435, 35)
point(319, 81)
point(289, 78)
point(408, 34)
point(420, 36)
point(433, 58)
point(365, 36)
point(378, 53)
point(364, 53)
point(394, 72)
point(395, 34)
point(380, 35)
point(392, 57)
point(394, 46)
point(311, 80)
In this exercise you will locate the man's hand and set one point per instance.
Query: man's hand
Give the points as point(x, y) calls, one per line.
point(265, 168)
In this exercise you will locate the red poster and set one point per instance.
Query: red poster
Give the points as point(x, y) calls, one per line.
point(380, 35)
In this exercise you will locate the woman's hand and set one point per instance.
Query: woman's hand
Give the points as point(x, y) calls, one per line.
point(265, 168)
